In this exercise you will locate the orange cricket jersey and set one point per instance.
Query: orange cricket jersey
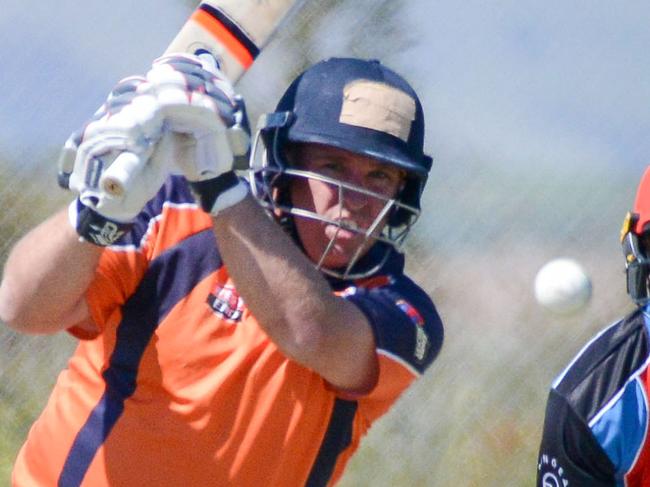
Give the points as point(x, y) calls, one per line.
point(183, 388)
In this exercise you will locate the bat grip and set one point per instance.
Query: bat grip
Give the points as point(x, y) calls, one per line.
point(118, 177)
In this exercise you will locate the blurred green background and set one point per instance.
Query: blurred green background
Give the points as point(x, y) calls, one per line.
point(537, 121)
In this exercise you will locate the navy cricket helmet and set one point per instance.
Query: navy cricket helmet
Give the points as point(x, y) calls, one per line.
point(360, 106)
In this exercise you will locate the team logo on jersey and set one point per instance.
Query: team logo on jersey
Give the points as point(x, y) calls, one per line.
point(226, 302)
point(551, 472)
point(422, 343)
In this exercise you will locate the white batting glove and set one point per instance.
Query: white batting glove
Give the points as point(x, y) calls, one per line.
point(118, 141)
point(210, 125)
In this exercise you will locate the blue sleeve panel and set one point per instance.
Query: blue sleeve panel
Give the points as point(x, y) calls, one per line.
point(404, 320)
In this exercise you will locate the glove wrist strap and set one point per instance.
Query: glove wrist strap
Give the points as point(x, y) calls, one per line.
point(93, 227)
point(217, 194)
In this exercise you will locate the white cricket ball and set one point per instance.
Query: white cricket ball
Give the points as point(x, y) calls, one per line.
point(562, 286)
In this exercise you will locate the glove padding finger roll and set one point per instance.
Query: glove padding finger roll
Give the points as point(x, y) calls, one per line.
point(199, 103)
point(212, 194)
point(121, 95)
point(118, 141)
point(101, 218)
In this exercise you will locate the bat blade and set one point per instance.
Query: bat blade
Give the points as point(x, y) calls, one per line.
point(234, 32)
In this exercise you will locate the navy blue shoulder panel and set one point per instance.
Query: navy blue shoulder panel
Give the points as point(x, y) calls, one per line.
point(605, 365)
point(403, 317)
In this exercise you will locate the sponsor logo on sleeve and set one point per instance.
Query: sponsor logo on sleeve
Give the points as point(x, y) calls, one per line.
point(551, 472)
point(422, 342)
point(348, 291)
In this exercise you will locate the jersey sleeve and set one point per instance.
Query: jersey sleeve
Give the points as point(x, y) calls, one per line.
point(408, 335)
point(569, 454)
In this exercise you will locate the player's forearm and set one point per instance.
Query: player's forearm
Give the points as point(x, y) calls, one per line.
point(292, 301)
point(275, 279)
point(45, 278)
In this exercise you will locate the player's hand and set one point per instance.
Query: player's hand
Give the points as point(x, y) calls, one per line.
point(209, 123)
point(117, 142)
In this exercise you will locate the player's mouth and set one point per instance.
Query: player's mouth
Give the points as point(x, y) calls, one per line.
point(344, 231)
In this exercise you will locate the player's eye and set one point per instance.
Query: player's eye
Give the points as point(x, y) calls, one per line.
point(383, 181)
point(380, 175)
point(330, 167)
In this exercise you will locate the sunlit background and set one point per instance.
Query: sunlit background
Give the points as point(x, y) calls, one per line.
point(538, 122)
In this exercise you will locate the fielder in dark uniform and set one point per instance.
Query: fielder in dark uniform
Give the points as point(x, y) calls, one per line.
point(596, 426)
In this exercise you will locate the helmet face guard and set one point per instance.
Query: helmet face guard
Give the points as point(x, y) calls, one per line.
point(270, 176)
point(635, 239)
point(360, 107)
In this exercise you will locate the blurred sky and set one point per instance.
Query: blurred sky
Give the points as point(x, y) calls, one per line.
point(554, 82)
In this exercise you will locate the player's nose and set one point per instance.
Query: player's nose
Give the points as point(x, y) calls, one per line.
point(354, 200)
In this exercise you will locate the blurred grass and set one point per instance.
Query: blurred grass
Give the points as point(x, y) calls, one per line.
point(28, 369)
point(28, 365)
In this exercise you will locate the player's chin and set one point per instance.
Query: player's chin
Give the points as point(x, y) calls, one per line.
point(334, 260)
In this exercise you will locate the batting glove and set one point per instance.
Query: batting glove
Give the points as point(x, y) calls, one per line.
point(115, 146)
point(209, 123)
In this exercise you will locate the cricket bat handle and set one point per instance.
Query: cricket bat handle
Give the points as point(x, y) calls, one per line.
point(233, 32)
